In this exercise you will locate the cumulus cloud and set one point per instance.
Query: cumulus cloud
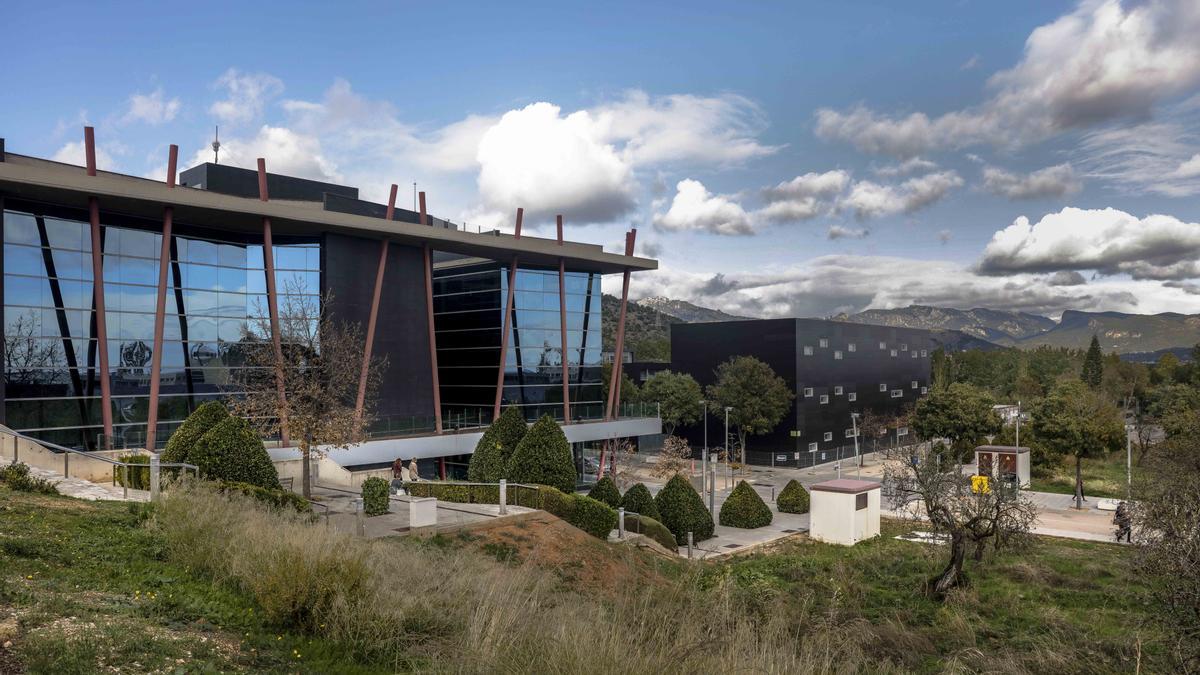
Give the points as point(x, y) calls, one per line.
point(153, 108)
point(803, 197)
point(1106, 240)
point(74, 153)
point(905, 168)
point(246, 95)
point(1066, 278)
point(694, 208)
point(1189, 168)
point(286, 151)
point(842, 232)
point(828, 285)
point(869, 199)
point(1052, 181)
point(1104, 61)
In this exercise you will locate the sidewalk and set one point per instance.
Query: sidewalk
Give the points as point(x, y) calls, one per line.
point(83, 489)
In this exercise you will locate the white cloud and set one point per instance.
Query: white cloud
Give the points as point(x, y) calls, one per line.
point(286, 151)
point(1066, 278)
point(944, 236)
point(694, 208)
point(1189, 168)
point(970, 63)
point(1107, 240)
point(1053, 181)
point(246, 95)
point(869, 199)
point(842, 232)
point(905, 168)
point(1104, 61)
point(153, 108)
point(74, 153)
point(1151, 157)
point(803, 197)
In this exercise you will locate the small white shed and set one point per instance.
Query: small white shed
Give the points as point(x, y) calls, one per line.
point(1000, 462)
point(844, 511)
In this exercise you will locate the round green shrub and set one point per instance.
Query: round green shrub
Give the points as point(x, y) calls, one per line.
point(375, 492)
point(592, 516)
point(232, 451)
point(683, 510)
point(650, 527)
point(544, 457)
point(203, 418)
point(279, 499)
point(605, 490)
point(793, 498)
point(495, 449)
point(638, 500)
point(744, 508)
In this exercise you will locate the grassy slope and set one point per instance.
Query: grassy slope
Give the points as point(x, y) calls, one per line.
point(92, 592)
point(1102, 476)
point(91, 588)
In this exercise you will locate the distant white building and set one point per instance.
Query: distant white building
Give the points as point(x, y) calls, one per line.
point(1007, 413)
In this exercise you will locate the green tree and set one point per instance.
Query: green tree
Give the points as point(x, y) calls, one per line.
point(744, 508)
point(683, 511)
point(1166, 370)
point(758, 397)
point(203, 418)
point(1093, 365)
point(231, 451)
point(961, 413)
point(495, 448)
point(605, 490)
point(793, 498)
point(629, 390)
point(638, 500)
point(1075, 421)
point(543, 457)
point(678, 396)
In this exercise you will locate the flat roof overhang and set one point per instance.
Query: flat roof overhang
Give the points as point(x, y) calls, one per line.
point(43, 180)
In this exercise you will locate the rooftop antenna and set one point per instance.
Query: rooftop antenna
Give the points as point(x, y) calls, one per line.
point(216, 145)
point(414, 195)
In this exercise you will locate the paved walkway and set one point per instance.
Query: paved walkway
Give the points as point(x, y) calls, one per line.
point(342, 514)
point(83, 489)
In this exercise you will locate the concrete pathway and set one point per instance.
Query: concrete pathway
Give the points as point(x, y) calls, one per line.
point(83, 489)
point(342, 514)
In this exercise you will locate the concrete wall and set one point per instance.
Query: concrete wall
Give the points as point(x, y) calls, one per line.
point(76, 466)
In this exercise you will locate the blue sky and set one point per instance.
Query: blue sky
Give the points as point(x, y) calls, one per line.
point(779, 158)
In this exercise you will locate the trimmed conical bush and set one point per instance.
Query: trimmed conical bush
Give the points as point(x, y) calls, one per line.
point(638, 500)
point(605, 490)
point(496, 447)
point(793, 498)
point(543, 457)
point(744, 508)
point(683, 511)
point(180, 444)
point(232, 451)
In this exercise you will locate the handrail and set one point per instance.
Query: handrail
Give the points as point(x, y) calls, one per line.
point(92, 454)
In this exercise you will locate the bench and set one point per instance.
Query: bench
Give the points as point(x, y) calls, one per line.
point(286, 483)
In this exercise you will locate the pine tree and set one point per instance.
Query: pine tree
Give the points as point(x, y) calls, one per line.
point(1093, 365)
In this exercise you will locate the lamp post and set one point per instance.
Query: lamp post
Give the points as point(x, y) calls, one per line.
point(704, 456)
point(1017, 442)
point(727, 409)
point(854, 427)
point(1128, 462)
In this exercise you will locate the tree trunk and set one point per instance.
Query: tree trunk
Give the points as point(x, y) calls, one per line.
point(1078, 482)
point(953, 575)
point(305, 471)
point(980, 547)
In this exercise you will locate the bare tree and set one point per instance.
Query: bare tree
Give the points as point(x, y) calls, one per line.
point(28, 359)
point(968, 517)
point(673, 458)
point(319, 364)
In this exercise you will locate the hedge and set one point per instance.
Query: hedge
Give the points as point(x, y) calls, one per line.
point(375, 493)
point(489, 462)
point(180, 444)
point(139, 476)
point(745, 509)
point(638, 500)
point(683, 510)
point(16, 476)
point(279, 499)
point(606, 491)
point(793, 498)
point(544, 457)
point(590, 515)
point(650, 527)
point(232, 451)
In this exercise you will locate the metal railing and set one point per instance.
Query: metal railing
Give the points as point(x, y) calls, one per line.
point(68, 452)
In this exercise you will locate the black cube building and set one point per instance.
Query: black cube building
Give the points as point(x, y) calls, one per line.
point(833, 368)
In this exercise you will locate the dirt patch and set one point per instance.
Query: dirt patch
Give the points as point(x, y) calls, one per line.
point(579, 559)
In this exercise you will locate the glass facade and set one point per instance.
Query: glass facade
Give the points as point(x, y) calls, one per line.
point(468, 318)
point(216, 297)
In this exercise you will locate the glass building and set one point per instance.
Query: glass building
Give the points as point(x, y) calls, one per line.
point(469, 304)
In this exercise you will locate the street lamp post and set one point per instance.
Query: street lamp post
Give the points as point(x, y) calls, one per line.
point(727, 409)
point(1128, 462)
point(1018, 438)
point(704, 456)
point(854, 427)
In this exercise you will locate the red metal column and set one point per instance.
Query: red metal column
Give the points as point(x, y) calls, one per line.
point(272, 304)
point(160, 309)
point(508, 308)
point(615, 380)
point(433, 359)
point(370, 337)
point(562, 322)
point(89, 144)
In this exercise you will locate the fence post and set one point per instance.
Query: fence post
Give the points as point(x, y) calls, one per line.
point(16, 445)
point(360, 526)
point(772, 493)
point(154, 477)
point(503, 497)
point(125, 482)
point(66, 465)
point(621, 523)
point(689, 545)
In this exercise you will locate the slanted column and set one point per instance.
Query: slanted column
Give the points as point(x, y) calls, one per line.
point(508, 310)
point(614, 385)
point(562, 322)
point(160, 308)
point(89, 144)
point(360, 401)
point(273, 304)
point(433, 358)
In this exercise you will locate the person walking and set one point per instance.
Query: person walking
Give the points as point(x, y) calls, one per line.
point(412, 470)
point(1124, 522)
